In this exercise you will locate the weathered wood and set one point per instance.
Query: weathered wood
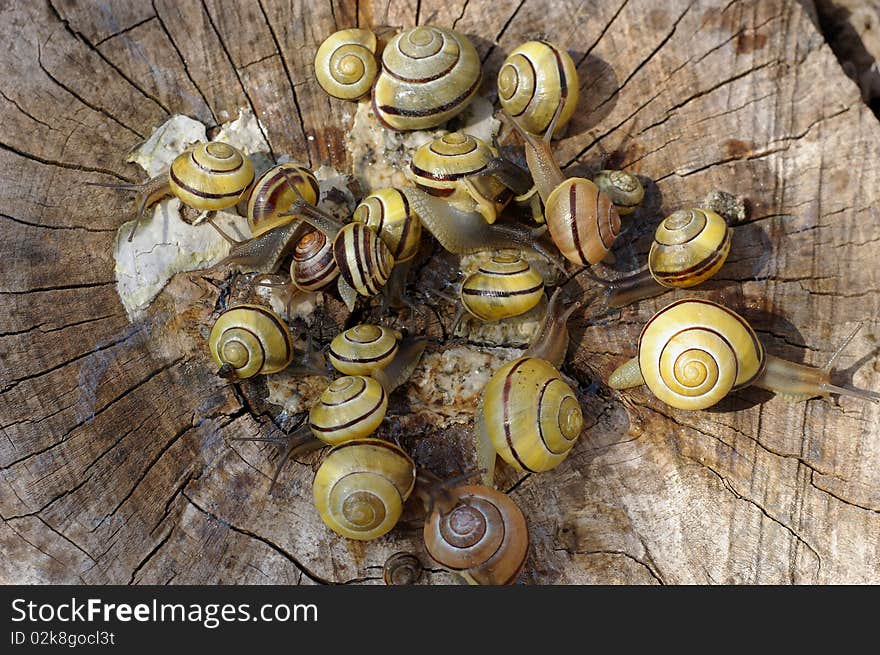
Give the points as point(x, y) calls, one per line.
point(116, 459)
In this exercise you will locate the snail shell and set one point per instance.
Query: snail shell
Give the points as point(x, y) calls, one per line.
point(429, 74)
point(582, 220)
point(402, 569)
point(364, 261)
point(693, 352)
point(363, 349)
point(484, 536)
point(689, 247)
point(211, 176)
point(441, 166)
point(625, 190)
point(503, 287)
point(531, 415)
point(388, 213)
point(272, 195)
point(360, 487)
point(313, 266)
point(251, 339)
point(345, 63)
point(352, 407)
point(531, 82)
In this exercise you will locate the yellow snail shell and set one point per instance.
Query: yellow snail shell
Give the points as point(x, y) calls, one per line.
point(503, 287)
point(484, 537)
point(625, 190)
point(362, 349)
point(211, 176)
point(388, 213)
point(689, 247)
point(345, 63)
point(272, 195)
point(351, 407)
point(360, 487)
point(313, 266)
point(531, 415)
point(531, 82)
point(251, 339)
point(429, 74)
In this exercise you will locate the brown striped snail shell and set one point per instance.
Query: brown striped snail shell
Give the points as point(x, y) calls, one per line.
point(362, 349)
point(364, 261)
point(447, 167)
point(429, 74)
point(351, 407)
point(211, 176)
point(531, 415)
point(402, 569)
point(533, 80)
point(582, 221)
point(503, 287)
point(625, 190)
point(360, 488)
point(272, 195)
point(247, 340)
point(689, 247)
point(313, 266)
point(345, 63)
point(388, 213)
point(483, 536)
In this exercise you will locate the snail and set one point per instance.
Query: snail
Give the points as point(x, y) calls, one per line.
point(479, 533)
point(456, 167)
point(248, 340)
point(581, 218)
point(624, 189)
point(345, 63)
point(534, 79)
point(694, 352)
point(313, 265)
point(690, 246)
point(528, 414)
point(503, 287)
point(402, 569)
point(360, 487)
point(205, 177)
point(272, 195)
point(363, 349)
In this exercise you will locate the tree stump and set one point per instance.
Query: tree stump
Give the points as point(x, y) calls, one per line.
point(116, 464)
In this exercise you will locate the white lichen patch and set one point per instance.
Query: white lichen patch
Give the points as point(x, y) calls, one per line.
point(164, 244)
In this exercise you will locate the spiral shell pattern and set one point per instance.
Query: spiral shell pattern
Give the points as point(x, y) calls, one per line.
point(272, 195)
point(484, 537)
point(582, 220)
point(625, 190)
point(402, 569)
point(360, 487)
point(531, 415)
point(313, 266)
point(429, 74)
point(690, 246)
point(252, 339)
point(211, 176)
point(364, 261)
point(352, 407)
point(345, 63)
point(533, 80)
point(693, 352)
point(503, 287)
point(362, 349)
point(389, 214)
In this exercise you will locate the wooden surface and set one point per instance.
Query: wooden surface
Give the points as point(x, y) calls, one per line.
point(115, 459)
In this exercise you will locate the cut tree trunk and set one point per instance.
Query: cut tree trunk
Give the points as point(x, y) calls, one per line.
point(116, 464)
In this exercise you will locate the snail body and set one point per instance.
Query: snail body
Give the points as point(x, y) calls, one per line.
point(361, 486)
point(362, 349)
point(248, 340)
point(479, 533)
point(429, 74)
point(503, 287)
point(694, 352)
point(272, 195)
point(345, 63)
point(534, 79)
point(625, 190)
point(689, 247)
